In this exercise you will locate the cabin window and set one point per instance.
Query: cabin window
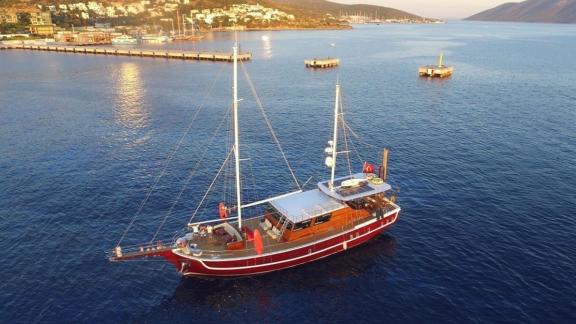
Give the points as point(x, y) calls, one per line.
point(302, 225)
point(322, 219)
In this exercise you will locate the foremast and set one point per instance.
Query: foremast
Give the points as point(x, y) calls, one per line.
point(237, 138)
point(334, 144)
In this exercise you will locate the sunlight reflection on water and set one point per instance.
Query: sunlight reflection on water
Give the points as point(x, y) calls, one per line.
point(130, 109)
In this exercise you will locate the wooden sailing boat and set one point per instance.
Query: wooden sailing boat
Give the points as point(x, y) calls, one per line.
point(182, 34)
point(296, 228)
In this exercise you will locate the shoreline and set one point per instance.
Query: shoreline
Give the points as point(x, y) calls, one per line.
point(228, 29)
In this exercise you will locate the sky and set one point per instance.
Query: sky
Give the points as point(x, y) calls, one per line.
point(446, 9)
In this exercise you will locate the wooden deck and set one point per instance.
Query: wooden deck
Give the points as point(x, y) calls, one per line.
point(182, 55)
point(322, 63)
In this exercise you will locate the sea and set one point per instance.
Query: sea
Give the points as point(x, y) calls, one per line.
point(100, 150)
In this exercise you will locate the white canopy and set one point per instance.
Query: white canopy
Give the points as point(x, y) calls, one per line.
point(305, 205)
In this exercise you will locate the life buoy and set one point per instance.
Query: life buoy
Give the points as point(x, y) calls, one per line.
point(222, 210)
point(377, 181)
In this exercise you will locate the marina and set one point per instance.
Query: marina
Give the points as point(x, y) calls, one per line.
point(182, 55)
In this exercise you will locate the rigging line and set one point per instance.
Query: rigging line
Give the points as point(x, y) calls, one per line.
point(345, 135)
point(157, 180)
point(211, 185)
point(192, 173)
point(229, 169)
point(356, 150)
point(356, 135)
point(259, 103)
point(305, 183)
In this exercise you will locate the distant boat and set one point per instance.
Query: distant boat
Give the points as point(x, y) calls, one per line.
point(188, 37)
point(124, 40)
point(332, 44)
point(155, 39)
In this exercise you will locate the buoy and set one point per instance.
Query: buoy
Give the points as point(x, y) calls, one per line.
point(258, 242)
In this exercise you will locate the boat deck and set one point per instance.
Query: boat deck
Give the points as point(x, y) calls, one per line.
point(213, 247)
point(222, 240)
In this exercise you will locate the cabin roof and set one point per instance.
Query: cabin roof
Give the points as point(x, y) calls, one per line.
point(368, 188)
point(305, 205)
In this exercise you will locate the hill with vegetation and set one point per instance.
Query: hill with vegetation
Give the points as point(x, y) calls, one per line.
point(305, 8)
point(322, 7)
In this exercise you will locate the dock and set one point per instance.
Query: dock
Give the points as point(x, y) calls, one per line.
point(182, 55)
point(436, 71)
point(322, 63)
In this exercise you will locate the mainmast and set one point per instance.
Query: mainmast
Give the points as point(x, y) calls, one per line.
point(335, 137)
point(237, 138)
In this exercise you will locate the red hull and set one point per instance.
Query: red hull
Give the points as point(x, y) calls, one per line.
point(278, 260)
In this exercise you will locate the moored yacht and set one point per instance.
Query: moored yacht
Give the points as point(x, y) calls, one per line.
point(294, 228)
point(124, 40)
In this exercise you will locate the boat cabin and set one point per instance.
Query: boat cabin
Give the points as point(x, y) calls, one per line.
point(352, 199)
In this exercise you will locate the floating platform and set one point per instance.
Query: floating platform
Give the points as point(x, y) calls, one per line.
point(436, 71)
point(322, 63)
point(182, 55)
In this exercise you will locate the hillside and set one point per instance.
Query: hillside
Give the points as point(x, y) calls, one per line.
point(546, 11)
point(303, 8)
point(321, 7)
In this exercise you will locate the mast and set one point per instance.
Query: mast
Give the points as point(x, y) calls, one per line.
point(236, 138)
point(184, 24)
point(178, 20)
point(335, 137)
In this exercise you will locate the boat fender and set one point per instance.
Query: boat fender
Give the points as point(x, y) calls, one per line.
point(258, 242)
point(222, 210)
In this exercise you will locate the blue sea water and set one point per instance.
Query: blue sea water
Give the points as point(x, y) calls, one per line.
point(485, 163)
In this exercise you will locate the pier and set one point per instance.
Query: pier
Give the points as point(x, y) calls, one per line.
point(322, 63)
point(436, 71)
point(168, 54)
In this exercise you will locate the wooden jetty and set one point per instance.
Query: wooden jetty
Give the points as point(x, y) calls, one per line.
point(436, 71)
point(183, 55)
point(322, 63)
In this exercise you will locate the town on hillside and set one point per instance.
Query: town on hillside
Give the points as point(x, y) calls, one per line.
point(99, 22)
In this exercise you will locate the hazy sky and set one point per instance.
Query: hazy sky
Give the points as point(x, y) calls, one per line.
point(435, 8)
